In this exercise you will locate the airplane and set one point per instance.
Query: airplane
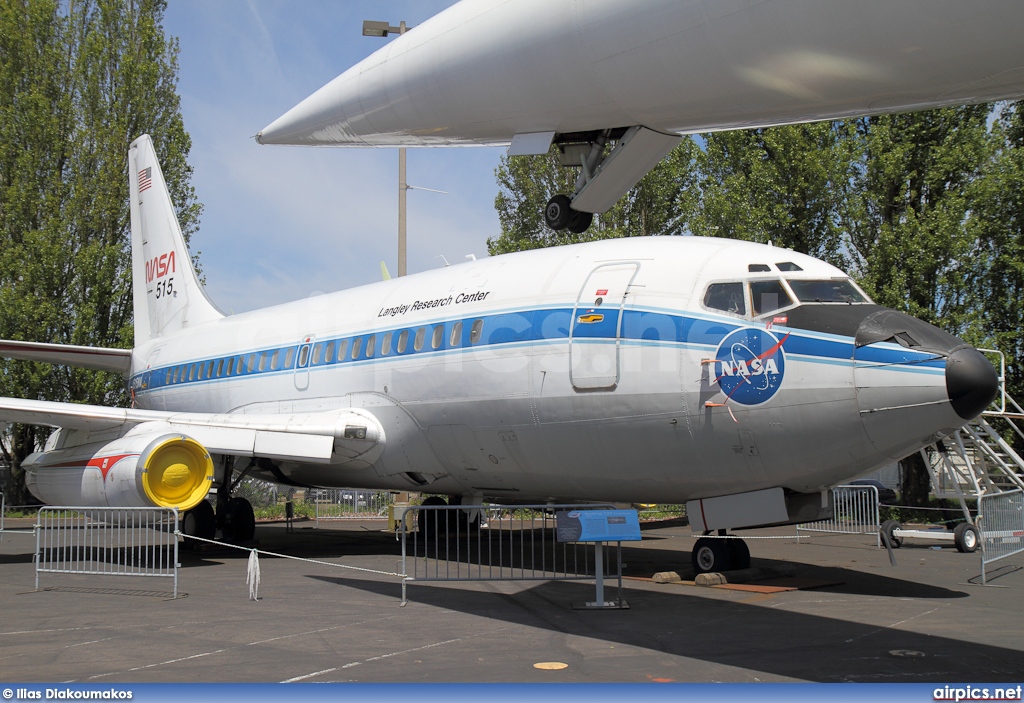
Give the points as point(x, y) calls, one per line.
point(615, 84)
point(740, 378)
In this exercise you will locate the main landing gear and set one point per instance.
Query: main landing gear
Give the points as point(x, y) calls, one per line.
point(717, 554)
point(559, 215)
point(234, 516)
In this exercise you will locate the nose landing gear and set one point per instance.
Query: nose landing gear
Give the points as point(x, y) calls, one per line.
point(716, 554)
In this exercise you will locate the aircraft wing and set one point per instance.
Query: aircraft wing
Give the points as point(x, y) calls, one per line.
point(96, 358)
point(307, 437)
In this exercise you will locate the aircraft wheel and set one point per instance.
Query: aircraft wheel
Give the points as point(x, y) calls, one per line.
point(200, 521)
point(710, 555)
point(739, 554)
point(580, 221)
point(240, 523)
point(558, 215)
point(965, 537)
point(432, 522)
point(887, 529)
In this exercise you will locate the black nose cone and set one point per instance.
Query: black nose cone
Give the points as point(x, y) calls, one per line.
point(971, 382)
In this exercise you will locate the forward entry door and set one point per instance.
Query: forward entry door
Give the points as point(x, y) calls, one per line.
point(597, 326)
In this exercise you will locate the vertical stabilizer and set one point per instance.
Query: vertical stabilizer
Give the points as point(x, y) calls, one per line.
point(166, 292)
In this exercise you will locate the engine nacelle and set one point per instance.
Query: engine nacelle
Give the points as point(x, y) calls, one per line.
point(150, 466)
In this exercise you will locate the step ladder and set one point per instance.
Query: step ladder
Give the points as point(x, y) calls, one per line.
point(976, 459)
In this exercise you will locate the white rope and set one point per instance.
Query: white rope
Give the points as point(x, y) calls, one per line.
point(287, 556)
point(746, 537)
point(252, 575)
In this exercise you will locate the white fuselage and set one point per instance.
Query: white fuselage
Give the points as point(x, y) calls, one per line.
point(483, 71)
point(592, 371)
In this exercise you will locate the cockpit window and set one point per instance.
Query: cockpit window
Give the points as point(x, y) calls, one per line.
point(788, 266)
point(727, 297)
point(758, 268)
point(839, 290)
point(766, 296)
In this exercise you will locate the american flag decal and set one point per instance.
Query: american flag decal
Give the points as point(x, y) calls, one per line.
point(145, 178)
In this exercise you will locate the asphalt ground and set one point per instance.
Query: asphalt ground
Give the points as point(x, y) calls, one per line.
point(921, 621)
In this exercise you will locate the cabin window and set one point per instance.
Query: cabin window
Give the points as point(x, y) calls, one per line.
point(403, 341)
point(274, 359)
point(767, 296)
point(220, 368)
point(727, 297)
point(437, 337)
point(476, 331)
point(342, 346)
point(357, 343)
point(839, 290)
point(456, 337)
point(231, 366)
point(371, 345)
point(263, 361)
point(192, 372)
point(329, 354)
point(385, 345)
point(167, 382)
point(250, 364)
point(318, 351)
point(417, 343)
point(201, 369)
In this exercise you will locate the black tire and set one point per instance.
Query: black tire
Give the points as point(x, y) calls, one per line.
point(966, 538)
point(431, 523)
point(240, 522)
point(580, 221)
point(739, 554)
point(887, 529)
point(710, 555)
point(199, 521)
point(558, 214)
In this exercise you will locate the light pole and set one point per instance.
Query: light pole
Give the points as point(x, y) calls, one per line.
point(382, 29)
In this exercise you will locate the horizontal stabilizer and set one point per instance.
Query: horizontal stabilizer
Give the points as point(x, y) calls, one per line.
point(96, 358)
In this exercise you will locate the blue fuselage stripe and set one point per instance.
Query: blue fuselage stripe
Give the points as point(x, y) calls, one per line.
point(508, 328)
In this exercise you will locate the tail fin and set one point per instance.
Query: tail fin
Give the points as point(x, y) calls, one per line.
point(166, 292)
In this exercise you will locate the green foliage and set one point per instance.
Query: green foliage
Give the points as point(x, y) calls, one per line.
point(996, 271)
point(785, 185)
point(78, 82)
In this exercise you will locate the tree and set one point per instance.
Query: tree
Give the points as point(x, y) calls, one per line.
point(659, 204)
point(782, 184)
point(997, 224)
point(78, 82)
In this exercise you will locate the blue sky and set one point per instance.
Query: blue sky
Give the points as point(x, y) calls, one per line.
point(282, 223)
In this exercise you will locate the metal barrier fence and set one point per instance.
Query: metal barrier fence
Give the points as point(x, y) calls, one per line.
point(856, 512)
point(108, 542)
point(492, 543)
point(1001, 522)
point(348, 503)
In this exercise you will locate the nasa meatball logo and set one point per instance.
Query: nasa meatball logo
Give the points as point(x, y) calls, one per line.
point(749, 365)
